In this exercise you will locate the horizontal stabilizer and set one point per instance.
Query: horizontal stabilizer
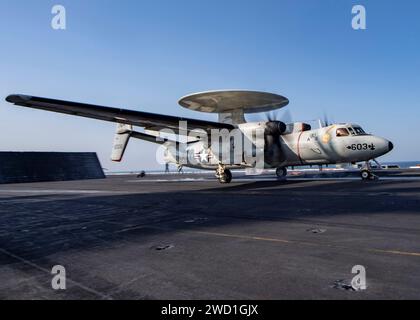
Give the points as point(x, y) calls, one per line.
point(122, 135)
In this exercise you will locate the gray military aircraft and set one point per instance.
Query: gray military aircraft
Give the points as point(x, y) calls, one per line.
point(230, 143)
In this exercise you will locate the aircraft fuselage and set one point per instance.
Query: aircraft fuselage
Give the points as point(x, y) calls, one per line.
point(338, 143)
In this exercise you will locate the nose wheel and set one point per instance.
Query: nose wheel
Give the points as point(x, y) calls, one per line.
point(281, 172)
point(365, 174)
point(224, 175)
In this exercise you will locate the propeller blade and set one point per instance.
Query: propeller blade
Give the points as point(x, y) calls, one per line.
point(287, 117)
point(326, 121)
point(271, 116)
point(274, 116)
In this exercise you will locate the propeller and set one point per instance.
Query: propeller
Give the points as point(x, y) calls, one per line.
point(274, 128)
point(274, 116)
point(272, 142)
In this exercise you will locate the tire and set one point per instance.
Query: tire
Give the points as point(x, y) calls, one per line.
point(281, 172)
point(226, 177)
point(365, 174)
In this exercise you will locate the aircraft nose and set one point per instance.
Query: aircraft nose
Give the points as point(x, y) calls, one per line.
point(390, 146)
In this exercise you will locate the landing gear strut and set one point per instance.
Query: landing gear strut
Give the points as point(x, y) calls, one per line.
point(367, 174)
point(180, 168)
point(281, 172)
point(224, 175)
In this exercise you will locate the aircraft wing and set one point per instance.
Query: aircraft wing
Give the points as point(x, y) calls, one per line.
point(150, 121)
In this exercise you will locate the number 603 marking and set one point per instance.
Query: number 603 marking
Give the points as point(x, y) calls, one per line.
point(358, 146)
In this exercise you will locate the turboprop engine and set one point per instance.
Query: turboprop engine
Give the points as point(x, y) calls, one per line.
point(273, 154)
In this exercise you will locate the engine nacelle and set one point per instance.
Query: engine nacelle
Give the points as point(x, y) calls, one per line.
point(272, 145)
point(275, 128)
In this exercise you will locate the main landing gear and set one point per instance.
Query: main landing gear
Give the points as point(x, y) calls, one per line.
point(366, 173)
point(281, 172)
point(224, 175)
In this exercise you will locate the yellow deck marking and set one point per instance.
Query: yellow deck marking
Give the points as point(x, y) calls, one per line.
point(404, 253)
point(238, 236)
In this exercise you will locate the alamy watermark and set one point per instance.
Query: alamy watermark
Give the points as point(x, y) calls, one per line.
point(58, 21)
point(58, 281)
point(358, 21)
point(359, 280)
point(198, 147)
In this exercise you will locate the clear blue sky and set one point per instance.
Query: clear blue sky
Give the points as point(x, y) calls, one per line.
point(145, 55)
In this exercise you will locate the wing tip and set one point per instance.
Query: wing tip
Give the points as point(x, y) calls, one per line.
point(17, 98)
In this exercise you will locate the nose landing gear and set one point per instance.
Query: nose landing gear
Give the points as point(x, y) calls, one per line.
point(366, 173)
point(224, 175)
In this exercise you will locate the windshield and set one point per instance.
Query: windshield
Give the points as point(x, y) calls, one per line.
point(359, 131)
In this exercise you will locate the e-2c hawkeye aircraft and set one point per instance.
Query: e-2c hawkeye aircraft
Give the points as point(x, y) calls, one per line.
point(271, 144)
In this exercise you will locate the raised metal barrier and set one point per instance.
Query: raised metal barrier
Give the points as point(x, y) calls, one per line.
point(18, 167)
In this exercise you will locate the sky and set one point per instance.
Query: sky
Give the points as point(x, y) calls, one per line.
point(145, 55)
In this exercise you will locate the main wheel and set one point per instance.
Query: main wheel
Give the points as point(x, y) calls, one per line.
point(281, 172)
point(365, 174)
point(226, 176)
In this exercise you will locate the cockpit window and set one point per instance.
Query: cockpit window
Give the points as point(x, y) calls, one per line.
point(351, 130)
point(359, 131)
point(342, 132)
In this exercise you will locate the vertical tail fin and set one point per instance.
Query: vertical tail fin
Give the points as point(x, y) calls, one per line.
point(122, 135)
